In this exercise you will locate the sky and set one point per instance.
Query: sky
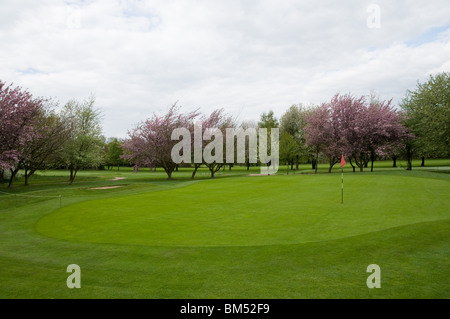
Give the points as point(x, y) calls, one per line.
point(248, 57)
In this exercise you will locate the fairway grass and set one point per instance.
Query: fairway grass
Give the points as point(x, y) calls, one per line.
point(232, 237)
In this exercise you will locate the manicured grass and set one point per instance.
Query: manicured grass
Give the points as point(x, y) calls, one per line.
point(232, 237)
point(249, 211)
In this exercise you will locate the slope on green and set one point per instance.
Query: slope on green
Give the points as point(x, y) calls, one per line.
point(250, 211)
point(314, 247)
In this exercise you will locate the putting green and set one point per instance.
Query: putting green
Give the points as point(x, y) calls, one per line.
point(247, 211)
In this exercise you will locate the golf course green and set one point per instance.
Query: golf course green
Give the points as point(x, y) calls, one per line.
point(250, 211)
point(235, 236)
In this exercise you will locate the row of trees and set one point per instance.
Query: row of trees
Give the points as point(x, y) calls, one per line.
point(360, 129)
point(34, 136)
point(151, 143)
point(365, 128)
point(428, 117)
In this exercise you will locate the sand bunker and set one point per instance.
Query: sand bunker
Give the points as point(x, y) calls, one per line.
point(118, 178)
point(107, 187)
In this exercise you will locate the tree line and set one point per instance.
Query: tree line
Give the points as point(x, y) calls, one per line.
point(34, 135)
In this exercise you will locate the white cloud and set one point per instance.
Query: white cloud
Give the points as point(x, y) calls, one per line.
point(139, 57)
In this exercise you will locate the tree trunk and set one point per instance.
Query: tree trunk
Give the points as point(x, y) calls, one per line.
point(248, 164)
point(292, 164)
point(13, 175)
point(196, 167)
point(372, 158)
point(409, 155)
point(2, 176)
point(317, 162)
point(73, 174)
point(351, 163)
point(423, 161)
point(169, 171)
point(26, 177)
point(296, 162)
point(212, 173)
point(31, 173)
point(394, 161)
point(362, 163)
point(331, 162)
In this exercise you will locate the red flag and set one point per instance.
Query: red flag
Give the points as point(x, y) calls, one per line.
point(342, 161)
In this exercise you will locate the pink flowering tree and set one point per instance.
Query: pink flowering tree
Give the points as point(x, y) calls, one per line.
point(386, 130)
point(18, 113)
point(212, 121)
point(219, 120)
point(46, 147)
point(151, 143)
point(375, 129)
point(318, 130)
point(353, 127)
point(348, 111)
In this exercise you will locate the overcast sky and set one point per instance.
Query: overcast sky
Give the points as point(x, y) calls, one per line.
point(248, 56)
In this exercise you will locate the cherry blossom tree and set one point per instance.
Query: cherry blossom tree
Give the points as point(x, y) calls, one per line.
point(46, 146)
point(386, 130)
point(214, 128)
point(18, 110)
point(317, 130)
point(353, 127)
point(348, 113)
point(198, 143)
point(151, 143)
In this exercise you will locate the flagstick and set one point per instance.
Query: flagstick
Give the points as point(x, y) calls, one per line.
point(342, 194)
point(342, 166)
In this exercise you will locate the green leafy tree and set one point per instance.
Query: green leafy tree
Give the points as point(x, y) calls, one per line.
point(246, 125)
point(288, 149)
point(293, 123)
point(428, 112)
point(83, 148)
point(114, 151)
point(268, 121)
